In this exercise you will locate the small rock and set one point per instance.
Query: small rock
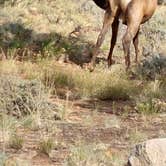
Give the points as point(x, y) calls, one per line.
point(149, 153)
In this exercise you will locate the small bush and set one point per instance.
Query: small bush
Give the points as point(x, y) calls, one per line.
point(110, 91)
point(20, 97)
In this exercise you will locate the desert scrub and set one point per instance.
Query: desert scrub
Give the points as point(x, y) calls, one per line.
point(20, 97)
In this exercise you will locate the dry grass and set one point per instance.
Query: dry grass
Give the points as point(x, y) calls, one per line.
point(46, 145)
point(114, 86)
point(92, 154)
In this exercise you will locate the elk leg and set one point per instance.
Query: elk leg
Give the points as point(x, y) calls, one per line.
point(115, 26)
point(134, 18)
point(135, 42)
point(131, 32)
point(108, 20)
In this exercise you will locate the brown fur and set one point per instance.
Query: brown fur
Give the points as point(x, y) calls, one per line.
point(133, 13)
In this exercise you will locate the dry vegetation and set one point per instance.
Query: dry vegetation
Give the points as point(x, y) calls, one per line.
point(55, 112)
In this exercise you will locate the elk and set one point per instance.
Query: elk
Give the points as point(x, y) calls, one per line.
point(133, 13)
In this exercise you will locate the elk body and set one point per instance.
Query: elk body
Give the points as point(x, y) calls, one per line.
point(133, 13)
